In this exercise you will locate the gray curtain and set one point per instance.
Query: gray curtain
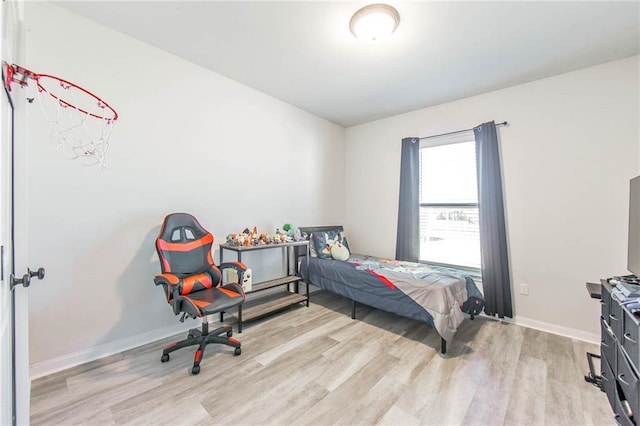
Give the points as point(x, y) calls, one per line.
point(493, 237)
point(407, 240)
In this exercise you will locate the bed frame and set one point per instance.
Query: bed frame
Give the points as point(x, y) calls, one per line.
point(299, 252)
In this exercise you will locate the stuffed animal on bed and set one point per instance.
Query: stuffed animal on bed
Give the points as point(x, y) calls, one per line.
point(339, 252)
point(324, 241)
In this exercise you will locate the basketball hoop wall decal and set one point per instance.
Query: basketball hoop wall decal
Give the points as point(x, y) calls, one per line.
point(81, 122)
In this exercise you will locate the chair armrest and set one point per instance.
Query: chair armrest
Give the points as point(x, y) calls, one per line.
point(239, 267)
point(186, 305)
point(171, 284)
point(166, 279)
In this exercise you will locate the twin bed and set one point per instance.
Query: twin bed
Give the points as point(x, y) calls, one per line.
point(435, 295)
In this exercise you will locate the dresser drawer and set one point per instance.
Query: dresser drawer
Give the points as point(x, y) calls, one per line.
point(620, 414)
point(630, 338)
point(616, 317)
point(627, 381)
point(607, 345)
point(608, 381)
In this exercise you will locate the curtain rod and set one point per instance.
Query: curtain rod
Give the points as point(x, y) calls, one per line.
point(504, 123)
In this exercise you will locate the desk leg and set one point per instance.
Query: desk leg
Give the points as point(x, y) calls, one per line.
point(286, 254)
point(292, 252)
point(221, 260)
point(306, 282)
point(240, 306)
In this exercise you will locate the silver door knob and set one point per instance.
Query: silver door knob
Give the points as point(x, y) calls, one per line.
point(39, 273)
point(25, 280)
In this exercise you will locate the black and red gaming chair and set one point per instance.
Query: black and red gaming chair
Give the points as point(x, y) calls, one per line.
point(192, 283)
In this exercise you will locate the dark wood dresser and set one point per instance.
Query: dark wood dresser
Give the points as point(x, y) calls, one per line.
point(620, 360)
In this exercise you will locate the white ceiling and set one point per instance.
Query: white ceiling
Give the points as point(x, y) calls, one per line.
point(303, 53)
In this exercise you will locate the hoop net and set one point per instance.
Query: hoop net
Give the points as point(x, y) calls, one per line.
point(81, 123)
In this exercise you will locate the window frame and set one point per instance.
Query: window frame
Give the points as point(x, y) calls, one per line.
point(448, 139)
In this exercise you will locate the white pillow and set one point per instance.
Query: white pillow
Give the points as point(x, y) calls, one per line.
point(339, 252)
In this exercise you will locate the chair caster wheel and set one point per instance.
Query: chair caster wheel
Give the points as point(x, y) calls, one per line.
point(229, 333)
point(237, 351)
point(195, 370)
point(190, 336)
point(165, 358)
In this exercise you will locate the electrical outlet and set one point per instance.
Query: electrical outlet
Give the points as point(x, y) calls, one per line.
point(524, 289)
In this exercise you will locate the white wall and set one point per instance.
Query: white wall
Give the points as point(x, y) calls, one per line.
point(187, 140)
point(571, 146)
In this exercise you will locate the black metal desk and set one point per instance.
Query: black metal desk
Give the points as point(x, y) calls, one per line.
point(258, 307)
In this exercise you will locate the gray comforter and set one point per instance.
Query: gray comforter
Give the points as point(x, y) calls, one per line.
point(431, 294)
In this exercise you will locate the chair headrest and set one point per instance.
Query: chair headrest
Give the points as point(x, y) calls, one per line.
point(181, 228)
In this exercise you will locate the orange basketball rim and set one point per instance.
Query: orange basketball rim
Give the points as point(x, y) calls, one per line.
point(81, 121)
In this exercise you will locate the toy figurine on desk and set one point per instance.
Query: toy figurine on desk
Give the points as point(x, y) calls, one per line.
point(293, 233)
point(250, 237)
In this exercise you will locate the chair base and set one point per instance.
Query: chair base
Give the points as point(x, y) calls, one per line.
point(202, 338)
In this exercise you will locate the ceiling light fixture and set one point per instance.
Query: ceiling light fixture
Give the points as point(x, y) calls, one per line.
point(374, 23)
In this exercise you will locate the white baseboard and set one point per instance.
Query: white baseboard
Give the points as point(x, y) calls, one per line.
point(45, 368)
point(571, 333)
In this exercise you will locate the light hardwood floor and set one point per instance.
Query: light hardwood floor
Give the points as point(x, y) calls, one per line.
point(317, 366)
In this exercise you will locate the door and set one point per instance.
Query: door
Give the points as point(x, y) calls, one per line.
point(7, 296)
point(15, 385)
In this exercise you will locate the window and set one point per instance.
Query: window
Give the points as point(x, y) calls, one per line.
point(449, 228)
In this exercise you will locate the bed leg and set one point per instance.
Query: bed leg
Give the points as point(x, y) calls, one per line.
point(443, 346)
point(353, 310)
